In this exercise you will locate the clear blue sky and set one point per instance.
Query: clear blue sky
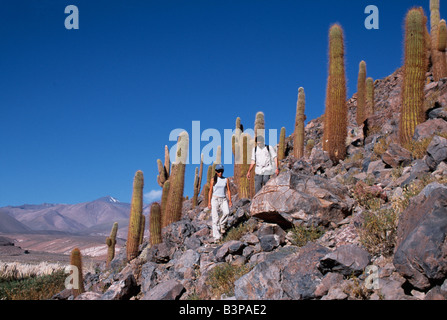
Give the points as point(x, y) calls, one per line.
point(82, 110)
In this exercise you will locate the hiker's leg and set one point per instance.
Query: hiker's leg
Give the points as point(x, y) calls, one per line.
point(225, 213)
point(215, 218)
point(258, 182)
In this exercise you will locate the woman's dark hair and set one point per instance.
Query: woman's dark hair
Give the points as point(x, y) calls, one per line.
point(215, 178)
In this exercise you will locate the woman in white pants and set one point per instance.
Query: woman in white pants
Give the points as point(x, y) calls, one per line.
point(217, 201)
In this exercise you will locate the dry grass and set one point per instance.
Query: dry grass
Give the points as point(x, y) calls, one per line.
point(19, 271)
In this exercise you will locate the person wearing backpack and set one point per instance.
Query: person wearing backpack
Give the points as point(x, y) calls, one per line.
point(217, 201)
point(265, 159)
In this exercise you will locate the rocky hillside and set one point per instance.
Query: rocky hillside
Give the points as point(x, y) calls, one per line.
point(371, 227)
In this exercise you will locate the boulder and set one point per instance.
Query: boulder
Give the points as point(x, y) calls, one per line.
point(301, 276)
point(263, 282)
point(166, 290)
point(436, 152)
point(428, 129)
point(421, 249)
point(230, 247)
point(123, 289)
point(317, 200)
point(397, 156)
point(347, 260)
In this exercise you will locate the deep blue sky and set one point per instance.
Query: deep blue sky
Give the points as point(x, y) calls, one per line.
point(82, 110)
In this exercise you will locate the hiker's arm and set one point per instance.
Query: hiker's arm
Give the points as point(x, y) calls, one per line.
point(277, 165)
point(210, 194)
point(253, 163)
point(230, 203)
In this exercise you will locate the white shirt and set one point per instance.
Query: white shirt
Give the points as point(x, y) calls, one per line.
point(220, 187)
point(264, 160)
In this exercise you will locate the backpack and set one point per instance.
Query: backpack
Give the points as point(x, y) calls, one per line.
point(268, 149)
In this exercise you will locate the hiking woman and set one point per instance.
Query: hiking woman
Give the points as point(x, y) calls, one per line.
point(217, 201)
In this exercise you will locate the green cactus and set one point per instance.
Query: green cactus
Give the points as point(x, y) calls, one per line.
point(142, 228)
point(163, 169)
point(197, 182)
point(76, 260)
point(136, 213)
point(437, 56)
point(155, 224)
point(111, 242)
point(335, 117)
point(174, 204)
point(415, 67)
point(282, 145)
point(442, 36)
point(361, 93)
point(370, 104)
point(298, 140)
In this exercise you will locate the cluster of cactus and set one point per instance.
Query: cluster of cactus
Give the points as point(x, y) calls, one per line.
point(242, 145)
point(335, 116)
point(172, 208)
point(415, 67)
point(111, 242)
point(298, 141)
point(76, 261)
point(136, 222)
point(438, 34)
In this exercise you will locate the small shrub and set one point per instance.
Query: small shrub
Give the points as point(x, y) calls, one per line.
point(302, 235)
point(418, 149)
point(378, 231)
point(237, 232)
point(33, 288)
point(222, 277)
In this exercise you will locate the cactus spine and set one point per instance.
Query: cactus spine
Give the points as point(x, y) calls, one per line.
point(415, 67)
point(361, 94)
point(111, 242)
point(155, 224)
point(136, 213)
point(437, 56)
point(298, 141)
point(335, 117)
point(174, 204)
point(76, 261)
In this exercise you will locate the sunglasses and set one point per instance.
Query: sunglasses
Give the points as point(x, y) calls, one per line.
point(219, 171)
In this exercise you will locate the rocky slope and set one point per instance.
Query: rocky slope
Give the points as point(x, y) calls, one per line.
point(371, 227)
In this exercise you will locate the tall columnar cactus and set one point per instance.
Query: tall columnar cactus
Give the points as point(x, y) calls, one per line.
point(235, 145)
point(111, 242)
point(361, 93)
point(298, 140)
point(142, 228)
point(437, 56)
point(282, 144)
point(155, 224)
point(335, 117)
point(76, 261)
point(174, 204)
point(260, 124)
point(415, 66)
point(136, 213)
point(442, 36)
point(370, 104)
point(197, 182)
point(163, 168)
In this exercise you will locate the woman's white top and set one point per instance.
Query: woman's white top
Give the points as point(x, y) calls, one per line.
point(219, 188)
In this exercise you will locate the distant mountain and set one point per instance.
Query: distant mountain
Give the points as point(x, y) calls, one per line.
point(9, 224)
point(94, 217)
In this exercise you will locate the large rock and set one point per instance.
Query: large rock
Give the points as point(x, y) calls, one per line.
point(396, 156)
point(263, 282)
point(436, 152)
point(421, 250)
point(347, 260)
point(168, 290)
point(429, 128)
point(294, 196)
point(301, 276)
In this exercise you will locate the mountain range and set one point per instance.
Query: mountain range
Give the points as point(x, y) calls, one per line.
point(87, 218)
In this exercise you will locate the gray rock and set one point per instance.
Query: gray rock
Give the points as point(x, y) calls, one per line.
point(122, 290)
point(397, 156)
point(230, 247)
point(167, 290)
point(269, 242)
point(436, 152)
point(428, 128)
point(421, 249)
point(347, 260)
